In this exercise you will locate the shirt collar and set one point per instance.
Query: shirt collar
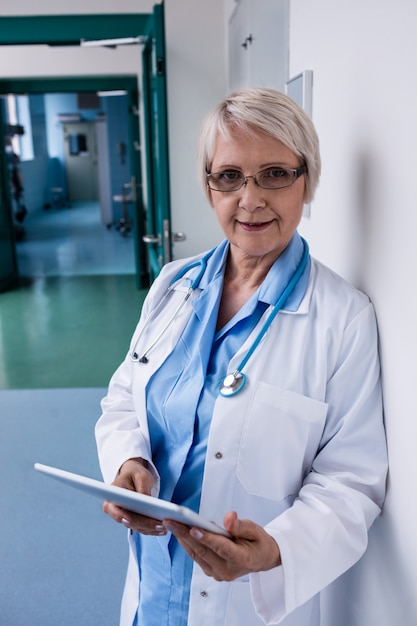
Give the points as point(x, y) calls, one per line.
point(281, 273)
point(275, 281)
point(215, 264)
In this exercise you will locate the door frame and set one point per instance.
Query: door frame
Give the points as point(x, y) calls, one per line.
point(71, 30)
point(154, 92)
point(18, 86)
point(8, 257)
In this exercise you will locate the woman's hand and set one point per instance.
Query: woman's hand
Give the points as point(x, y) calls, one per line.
point(250, 550)
point(135, 475)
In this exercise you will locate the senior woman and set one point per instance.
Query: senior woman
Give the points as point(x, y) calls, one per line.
point(255, 400)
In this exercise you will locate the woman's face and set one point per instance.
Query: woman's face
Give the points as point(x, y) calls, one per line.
point(258, 222)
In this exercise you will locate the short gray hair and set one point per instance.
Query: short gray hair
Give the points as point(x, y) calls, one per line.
point(270, 111)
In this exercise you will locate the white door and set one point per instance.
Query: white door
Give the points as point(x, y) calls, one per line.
point(258, 44)
point(103, 173)
point(81, 161)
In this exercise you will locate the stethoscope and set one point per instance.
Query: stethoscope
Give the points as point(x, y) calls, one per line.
point(235, 381)
point(202, 264)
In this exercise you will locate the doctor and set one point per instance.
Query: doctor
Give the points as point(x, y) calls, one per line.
point(250, 393)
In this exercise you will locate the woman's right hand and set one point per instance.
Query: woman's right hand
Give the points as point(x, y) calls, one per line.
point(136, 475)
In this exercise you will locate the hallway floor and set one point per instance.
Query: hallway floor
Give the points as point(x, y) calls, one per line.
point(69, 322)
point(63, 331)
point(68, 331)
point(63, 561)
point(73, 241)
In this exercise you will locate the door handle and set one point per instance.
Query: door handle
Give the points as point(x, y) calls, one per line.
point(152, 239)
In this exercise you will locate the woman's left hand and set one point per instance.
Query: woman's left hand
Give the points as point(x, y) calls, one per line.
point(251, 549)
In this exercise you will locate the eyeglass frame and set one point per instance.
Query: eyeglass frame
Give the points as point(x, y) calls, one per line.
point(296, 171)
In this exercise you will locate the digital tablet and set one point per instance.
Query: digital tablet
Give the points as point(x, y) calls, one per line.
point(131, 500)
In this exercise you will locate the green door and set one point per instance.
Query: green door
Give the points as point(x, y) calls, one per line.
point(136, 191)
point(158, 212)
point(8, 263)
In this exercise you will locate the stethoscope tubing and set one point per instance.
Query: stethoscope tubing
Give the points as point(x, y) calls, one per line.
point(277, 307)
point(234, 382)
point(202, 263)
point(144, 357)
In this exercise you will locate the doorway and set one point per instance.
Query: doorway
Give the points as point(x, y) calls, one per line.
point(148, 31)
point(80, 161)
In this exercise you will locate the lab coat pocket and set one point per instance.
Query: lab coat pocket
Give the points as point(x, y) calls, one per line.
point(280, 438)
point(240, 610)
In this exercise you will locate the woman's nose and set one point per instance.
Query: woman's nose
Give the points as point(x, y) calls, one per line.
point(251, 195)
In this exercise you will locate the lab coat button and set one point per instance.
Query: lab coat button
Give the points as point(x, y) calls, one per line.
point(203, 594)
point(218, 455)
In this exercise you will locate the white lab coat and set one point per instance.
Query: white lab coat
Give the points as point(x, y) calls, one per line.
point(300, 450)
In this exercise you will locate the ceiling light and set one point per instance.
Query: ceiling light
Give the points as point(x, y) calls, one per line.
point(124, 41)
point(114, 92)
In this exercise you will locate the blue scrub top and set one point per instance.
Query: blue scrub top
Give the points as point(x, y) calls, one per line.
point(180, 402)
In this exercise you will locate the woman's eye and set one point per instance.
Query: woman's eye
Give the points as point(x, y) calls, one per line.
point(275, 172)
point(230, 175)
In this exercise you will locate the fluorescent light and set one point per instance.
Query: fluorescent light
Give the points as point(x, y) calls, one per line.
point(113, 42)
point(114, 92)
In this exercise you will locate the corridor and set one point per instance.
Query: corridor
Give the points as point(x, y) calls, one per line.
point(63, 331)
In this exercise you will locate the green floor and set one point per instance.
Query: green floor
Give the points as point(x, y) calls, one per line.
point(66, 331)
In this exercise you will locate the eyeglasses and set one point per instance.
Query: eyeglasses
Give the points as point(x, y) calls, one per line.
point(269, 178)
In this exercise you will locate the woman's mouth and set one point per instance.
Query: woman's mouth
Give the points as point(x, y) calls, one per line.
point(254, 226)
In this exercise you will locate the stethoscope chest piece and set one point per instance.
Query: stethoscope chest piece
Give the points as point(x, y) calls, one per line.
point(136, 359)
point(232, 384)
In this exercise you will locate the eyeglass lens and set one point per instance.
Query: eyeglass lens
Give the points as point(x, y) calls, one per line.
point(270, 178)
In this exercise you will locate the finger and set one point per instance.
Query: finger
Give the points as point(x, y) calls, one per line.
point(210, 558)
point(241, 529)
point(138, 523)
point(136, 474)
point(252, 548)
point(195, 550)
point(115, 512)
point(262, 551)
point(140, 481)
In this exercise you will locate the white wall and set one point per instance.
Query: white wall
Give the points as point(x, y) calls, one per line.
point(363, 225)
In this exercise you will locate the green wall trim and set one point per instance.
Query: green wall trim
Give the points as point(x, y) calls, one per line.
point(71, 29)
point(68, 85)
